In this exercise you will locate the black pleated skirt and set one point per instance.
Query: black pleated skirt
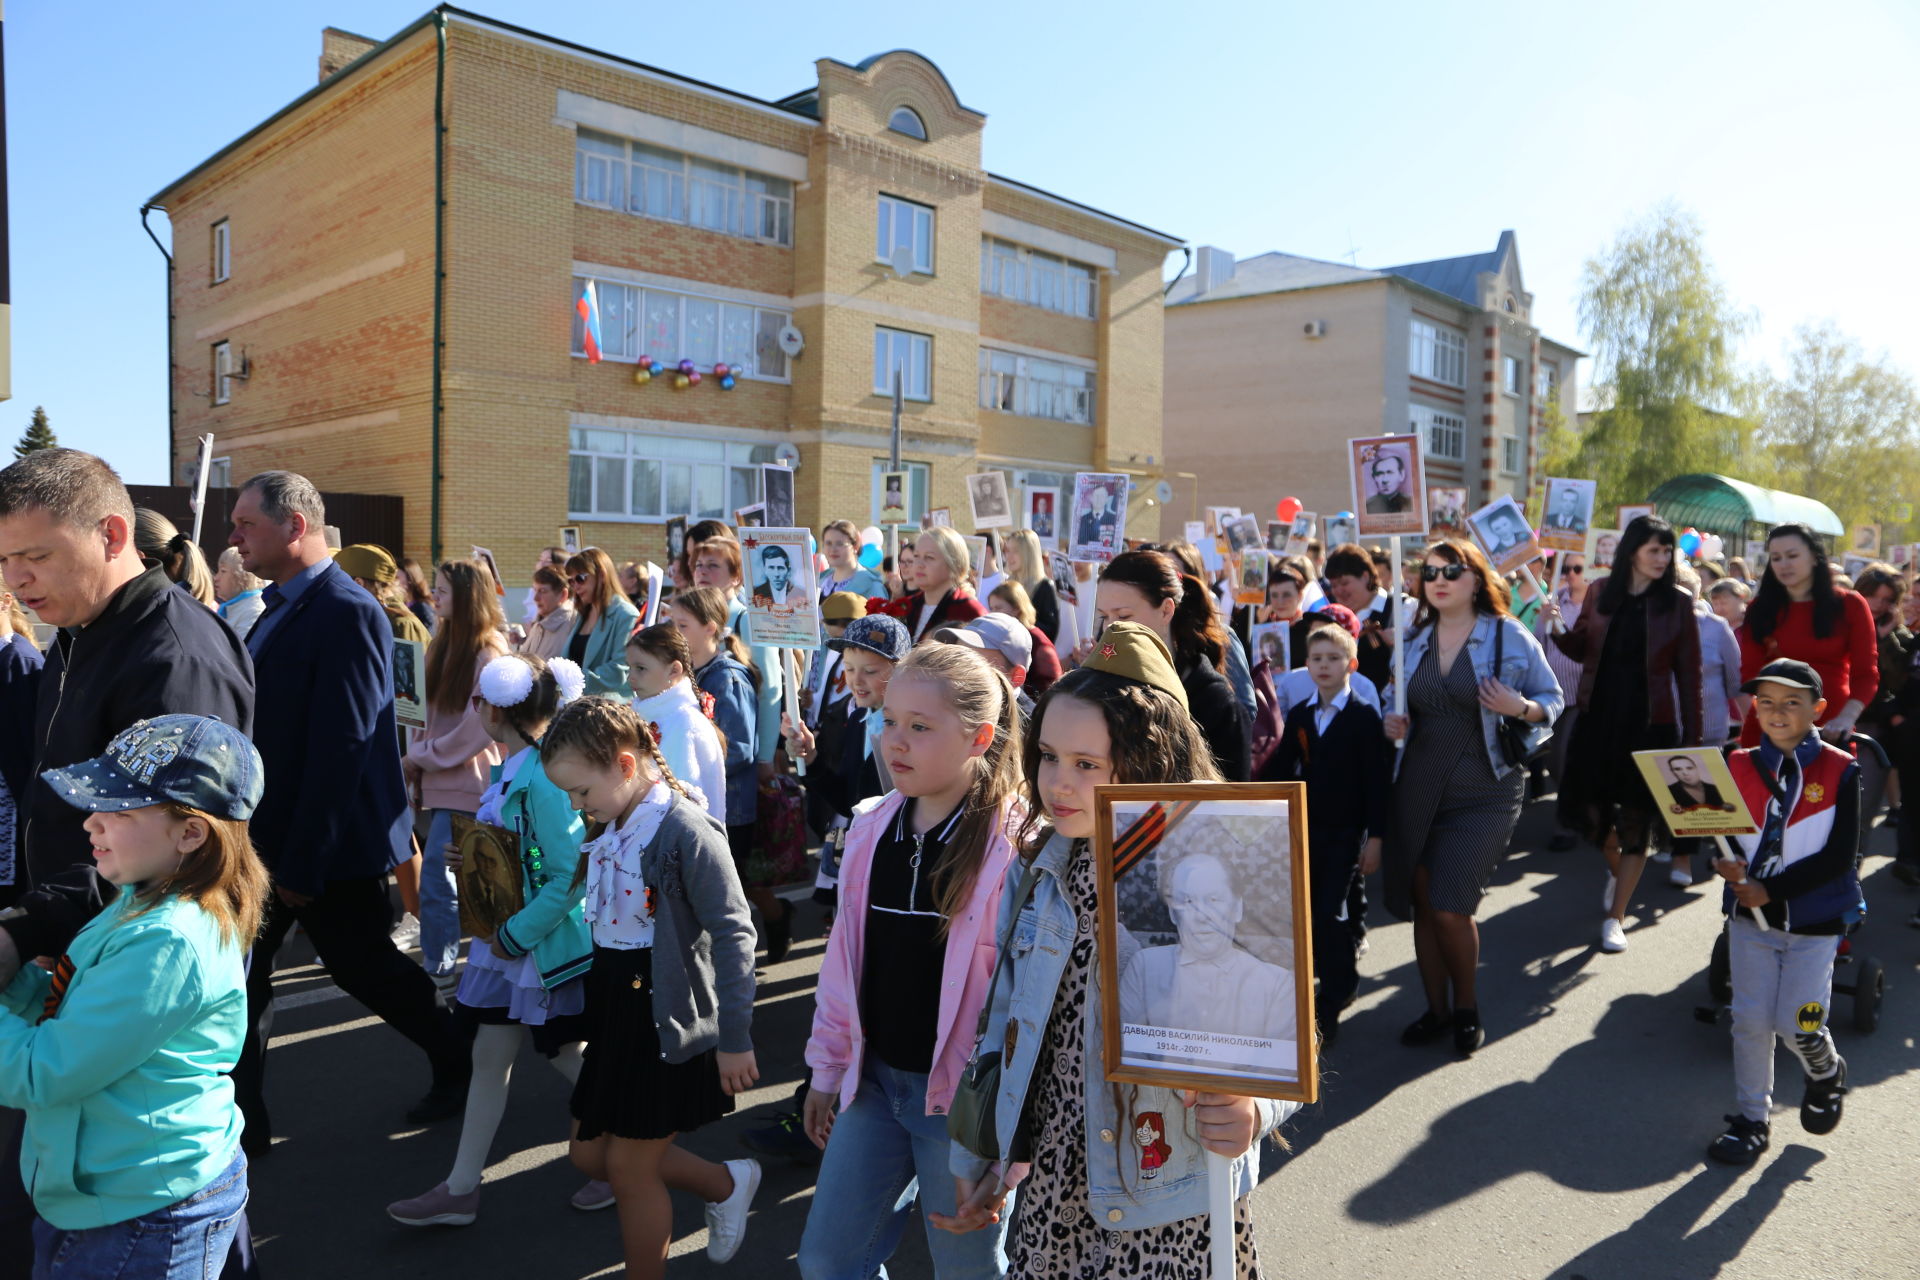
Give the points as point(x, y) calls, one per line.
point(626, 1088)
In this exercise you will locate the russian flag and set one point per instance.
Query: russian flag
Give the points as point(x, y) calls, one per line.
point(588, 308)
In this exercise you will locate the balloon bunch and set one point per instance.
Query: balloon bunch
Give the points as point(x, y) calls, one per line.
point(871, 554)
point(1689, 541)
point(685, 374)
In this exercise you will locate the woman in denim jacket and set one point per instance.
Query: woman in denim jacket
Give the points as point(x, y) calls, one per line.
point(1115, 1180)
point(1456, 795)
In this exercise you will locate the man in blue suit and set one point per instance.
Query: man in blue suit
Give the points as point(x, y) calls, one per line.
point(334, 819)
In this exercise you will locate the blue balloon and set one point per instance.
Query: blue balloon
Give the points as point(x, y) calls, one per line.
point(871, 556)
point(1689, 543)
point(1343, 515)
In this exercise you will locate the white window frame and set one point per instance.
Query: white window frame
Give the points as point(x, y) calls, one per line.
point(1036, 388)
point(1513, 374)
point(623, 328)
point(1513, 455)
point(906, 350)
point(1437, 353)
point(222, 251)
point(751, 205)
point(1043, 280)
point(1439, 429)
point(222, 372)
point(1547, 381)
point(891, 213)
point(220, 473)
point(733, 465)
point(919, 491)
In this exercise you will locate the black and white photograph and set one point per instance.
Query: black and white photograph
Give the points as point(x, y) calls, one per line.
point(410, 683)
point(987, 498)
point(1502, 531)
point(570, 538)
point(1243, 535)
point(1389, 486)
point(937, 518)
point(1629, 512)
point(977, 545)
point(1203, 920)
point(1606, 545)
point(783, 607)
point(1569, 514)
point(1900, 555)
point(1277, 531)
point(1099, 516)
point(893, 497)
point(1341, 530)
point(1060, 572)
point(1695, 792)
point(1300, 532)
point(1270, 644)
point(777, 487)
point(753, 517)
point(1216, 519)
point(1866, 540)
point(676, 536)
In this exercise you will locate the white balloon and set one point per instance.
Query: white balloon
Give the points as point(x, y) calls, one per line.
point(871, 536)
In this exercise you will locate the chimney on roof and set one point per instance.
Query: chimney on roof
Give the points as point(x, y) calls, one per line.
point(1211, 268)
point(338, 48)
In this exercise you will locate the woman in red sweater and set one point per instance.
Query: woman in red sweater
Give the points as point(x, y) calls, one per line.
point(1799, 613)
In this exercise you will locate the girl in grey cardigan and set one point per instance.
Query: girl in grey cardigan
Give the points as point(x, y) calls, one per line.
point(670, 993)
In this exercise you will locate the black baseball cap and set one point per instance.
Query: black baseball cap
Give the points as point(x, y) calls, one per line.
point(1787, 671)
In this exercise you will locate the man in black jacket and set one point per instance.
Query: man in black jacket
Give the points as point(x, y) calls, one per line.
point(130, 647)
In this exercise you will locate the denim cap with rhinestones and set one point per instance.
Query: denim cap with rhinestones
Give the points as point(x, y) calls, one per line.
point(876, 633)
point(195, 761)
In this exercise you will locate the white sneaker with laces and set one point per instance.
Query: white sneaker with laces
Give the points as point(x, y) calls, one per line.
point(727, 1220)
point(1613, 936)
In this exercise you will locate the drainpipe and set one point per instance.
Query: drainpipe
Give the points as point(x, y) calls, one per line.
point(439, 256)
point(145, 209)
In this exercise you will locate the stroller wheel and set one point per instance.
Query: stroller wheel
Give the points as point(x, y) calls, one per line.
point(1720, 971)
point(1869, 986)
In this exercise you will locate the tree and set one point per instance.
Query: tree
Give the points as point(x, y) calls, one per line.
point(39, 435)
point(1664, 338)
point(1842, 429)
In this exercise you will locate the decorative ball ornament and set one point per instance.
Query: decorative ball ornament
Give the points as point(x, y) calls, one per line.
point(694, 378)
point(646, 362)
point(686, 366)
point(641, 376)
point(721, 370)
point(681, 382)
point(726, 384)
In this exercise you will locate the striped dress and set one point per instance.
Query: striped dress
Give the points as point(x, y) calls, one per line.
point(1451, 815)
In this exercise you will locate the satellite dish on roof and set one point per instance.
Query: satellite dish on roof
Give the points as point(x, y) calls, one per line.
point(787, 455)
point(1164, 492)
point(901, 260)
point(792, 341)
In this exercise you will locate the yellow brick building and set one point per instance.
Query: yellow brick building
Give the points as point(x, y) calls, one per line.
point(852, 221)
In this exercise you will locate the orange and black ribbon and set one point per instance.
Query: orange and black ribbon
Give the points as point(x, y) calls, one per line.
point(1147, 832)
point(62, 975)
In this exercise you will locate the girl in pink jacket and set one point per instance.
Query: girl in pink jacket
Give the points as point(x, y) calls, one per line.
point(907, 968)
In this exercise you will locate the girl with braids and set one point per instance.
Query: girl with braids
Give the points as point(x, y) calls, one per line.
point(1147, 587)
point(670, 993)
point(447, 766)
point(1113, 1178)
point(660, 672)
point(531, 973)
point(920, 884)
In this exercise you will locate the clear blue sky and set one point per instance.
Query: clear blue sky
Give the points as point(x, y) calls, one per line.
point(1405, 131)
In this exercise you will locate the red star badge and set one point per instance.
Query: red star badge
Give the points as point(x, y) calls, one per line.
point(751, 543)
point(1108, 651)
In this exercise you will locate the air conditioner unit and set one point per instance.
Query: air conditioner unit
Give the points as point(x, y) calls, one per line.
point(1316, 329)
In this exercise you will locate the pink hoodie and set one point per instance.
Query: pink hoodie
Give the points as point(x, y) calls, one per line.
point(456, 752)
point(835, 1049)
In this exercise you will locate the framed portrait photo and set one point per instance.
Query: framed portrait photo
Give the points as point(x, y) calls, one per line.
point(783, 604)
point(1854, 565)
point(1389, 485)
point(1341, 530)
point(1243, 535)
point(1206, 963)
point(938, 518)
point(676, 536)
point(1271, 641)
point(988, 501)
point(1629, 512)
point(1099, 516)
point(410, 683)
point(1277, 531)
point(776, 483)
point(1603, 545)
point(753, 517)
point(570, 539)
point(1060, 573)
point(1864, 540)
point(1250, 576)
point(893, 497)
point(976, 553)
point(1502, 531)
point(1446, 511)
point(489, 875)
point(1695, 792)
point(1900, 555)
point(1043, 516)
point(1569, 514)
point(1300, 532)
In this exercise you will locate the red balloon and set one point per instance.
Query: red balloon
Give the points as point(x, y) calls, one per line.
point(1286, 508)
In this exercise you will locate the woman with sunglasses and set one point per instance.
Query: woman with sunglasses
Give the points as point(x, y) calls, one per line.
point(604, 620)
point(1456, 796)
point(1640, 689)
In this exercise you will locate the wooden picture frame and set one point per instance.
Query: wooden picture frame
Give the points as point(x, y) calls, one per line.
point(1261, 1008)
point(489, 875)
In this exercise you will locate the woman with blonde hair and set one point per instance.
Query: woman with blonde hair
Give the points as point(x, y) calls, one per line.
point(598, 642)
point(450, 762)
point(1026, 564)
point(238, 592)
point(943, 587)
point(156, 538)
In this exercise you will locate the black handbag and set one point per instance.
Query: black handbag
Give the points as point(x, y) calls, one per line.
point(1510, 732)
point(971, 1121)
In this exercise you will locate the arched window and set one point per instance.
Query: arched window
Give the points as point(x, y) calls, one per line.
point(906, 120)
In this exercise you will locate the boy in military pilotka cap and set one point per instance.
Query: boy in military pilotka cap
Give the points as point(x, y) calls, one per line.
point(1792, 893)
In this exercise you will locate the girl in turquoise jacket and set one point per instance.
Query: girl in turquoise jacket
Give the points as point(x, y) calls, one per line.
point(529, 970)
point(119, 1052)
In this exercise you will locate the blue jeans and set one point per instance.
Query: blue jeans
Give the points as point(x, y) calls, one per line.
point(885, 1151)
point(439, 898)
point(184, 1241)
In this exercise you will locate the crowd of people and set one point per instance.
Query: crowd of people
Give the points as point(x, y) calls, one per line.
point(206, 757)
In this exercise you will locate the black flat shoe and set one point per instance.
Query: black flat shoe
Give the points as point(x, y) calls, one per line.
point(1468, 1034)
point(1425, 1029)
point(442, 1102)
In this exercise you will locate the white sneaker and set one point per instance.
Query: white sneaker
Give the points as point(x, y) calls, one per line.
point(727, 1221)
point(1661, 855)
point(1680, 876)
point(1613, 936)
point(406, 934)
point(1606, 897)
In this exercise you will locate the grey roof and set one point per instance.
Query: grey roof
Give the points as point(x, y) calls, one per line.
point(1271, 273)
point(1457, 277)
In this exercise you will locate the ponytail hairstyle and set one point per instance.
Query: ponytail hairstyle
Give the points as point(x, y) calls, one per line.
point(598, 730)
point(664, 643)
point(711, 608)
point(474, 624)
point(947, 545)
point(978, 695)
point(1196, 630)
point(156, 538)
point(528, 690)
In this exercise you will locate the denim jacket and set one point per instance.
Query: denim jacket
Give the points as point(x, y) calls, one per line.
point(1523, 666)
point(1022, 1005)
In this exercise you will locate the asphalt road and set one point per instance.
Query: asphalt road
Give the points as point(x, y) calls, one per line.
point(1572, 1146)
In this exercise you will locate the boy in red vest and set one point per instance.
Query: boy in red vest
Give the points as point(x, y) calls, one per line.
point(1798, 876)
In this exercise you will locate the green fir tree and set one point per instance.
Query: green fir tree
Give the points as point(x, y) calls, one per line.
point(38, 436)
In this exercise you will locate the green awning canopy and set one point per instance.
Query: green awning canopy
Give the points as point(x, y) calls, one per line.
point(1732, 508)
